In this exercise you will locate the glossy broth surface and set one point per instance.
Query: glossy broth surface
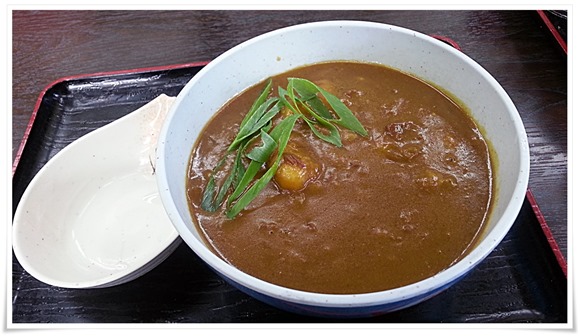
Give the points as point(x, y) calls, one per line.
point(382, 211)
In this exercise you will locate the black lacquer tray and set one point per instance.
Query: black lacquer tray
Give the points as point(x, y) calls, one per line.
point(523, 280)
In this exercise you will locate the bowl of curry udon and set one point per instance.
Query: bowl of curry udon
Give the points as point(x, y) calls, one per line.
point(342, 168)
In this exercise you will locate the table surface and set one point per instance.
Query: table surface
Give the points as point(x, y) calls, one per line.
point(513, 46)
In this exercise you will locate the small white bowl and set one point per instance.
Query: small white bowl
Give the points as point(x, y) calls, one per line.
point(92, 216)
point(403, 49)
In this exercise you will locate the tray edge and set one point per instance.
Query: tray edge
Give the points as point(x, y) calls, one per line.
point(553, 31)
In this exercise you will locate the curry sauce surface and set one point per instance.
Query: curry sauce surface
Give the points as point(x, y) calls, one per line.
point(384, 211)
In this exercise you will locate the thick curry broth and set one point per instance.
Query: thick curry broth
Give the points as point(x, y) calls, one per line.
point(385, 211)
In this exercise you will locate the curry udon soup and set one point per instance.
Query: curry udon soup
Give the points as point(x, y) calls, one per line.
point(377, 211)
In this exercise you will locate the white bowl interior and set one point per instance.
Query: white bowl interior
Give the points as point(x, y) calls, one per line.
point(92, 216)
point(399, 48)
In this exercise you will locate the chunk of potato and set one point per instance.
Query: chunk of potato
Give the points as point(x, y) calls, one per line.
point(297, 169)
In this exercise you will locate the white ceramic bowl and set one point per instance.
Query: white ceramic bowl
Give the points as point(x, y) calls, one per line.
point(403, 49)
point(92, 217)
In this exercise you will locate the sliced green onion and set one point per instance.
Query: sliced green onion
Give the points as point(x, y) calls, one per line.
point(302, 98)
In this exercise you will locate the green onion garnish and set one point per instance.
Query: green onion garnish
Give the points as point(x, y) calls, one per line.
point(302, 97)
